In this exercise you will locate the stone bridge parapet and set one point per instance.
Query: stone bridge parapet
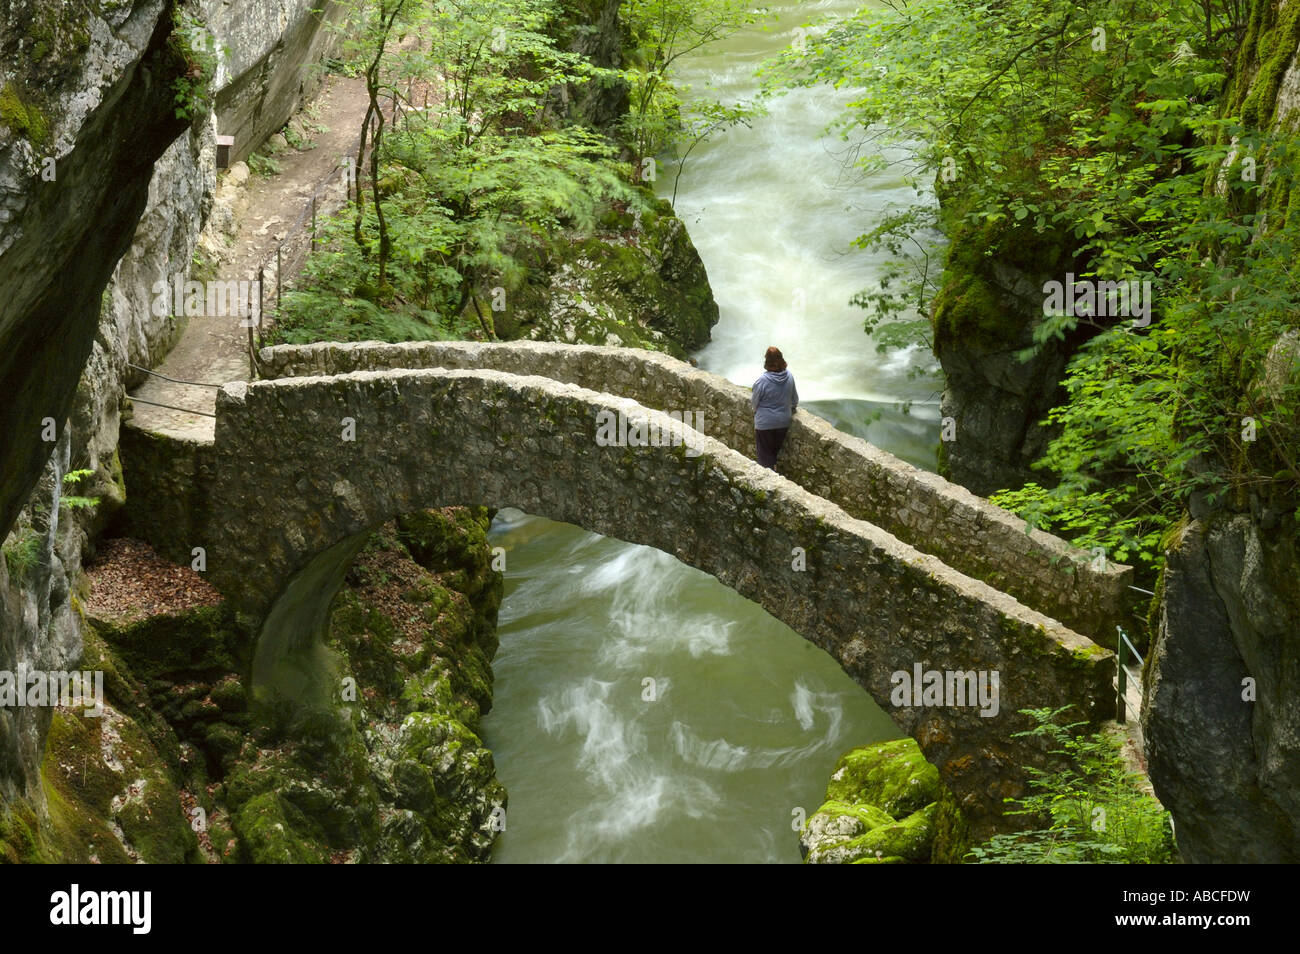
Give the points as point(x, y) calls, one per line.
point(932, 514)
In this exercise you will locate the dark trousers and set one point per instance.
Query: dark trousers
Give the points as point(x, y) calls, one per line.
point(769, 445)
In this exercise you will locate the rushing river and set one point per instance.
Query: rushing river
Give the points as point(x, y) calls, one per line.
point(643, 711)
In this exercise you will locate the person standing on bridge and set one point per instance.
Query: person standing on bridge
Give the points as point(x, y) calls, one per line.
point(774, 400)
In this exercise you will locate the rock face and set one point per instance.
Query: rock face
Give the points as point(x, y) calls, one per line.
point(98, 101)
point(274, 50)
point(639, 283)
point(1227, 766)
point(983, 316)
point(998, 402)
point(40, 629)
point(1225, 759)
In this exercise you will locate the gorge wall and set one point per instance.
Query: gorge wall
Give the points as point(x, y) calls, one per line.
point(103, 192)
point(1221, 706)
point(1220, 716)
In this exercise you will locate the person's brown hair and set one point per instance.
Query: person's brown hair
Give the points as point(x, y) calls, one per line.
point(773, 360)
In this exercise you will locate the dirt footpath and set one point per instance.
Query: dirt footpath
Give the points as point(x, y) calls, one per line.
point(214, 350)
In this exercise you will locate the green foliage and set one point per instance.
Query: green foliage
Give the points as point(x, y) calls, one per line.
point(195, 43)
point(463, 198)
point(663, 31)
point(1089, 136)
point(297, 140)
point(70, 481)
point(23, 552)
point(263, 164)
point(338, 300)
point(1094, 808)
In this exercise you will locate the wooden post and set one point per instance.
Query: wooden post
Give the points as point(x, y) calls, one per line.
point(224, 145)
point(313, 223)
point(279, 281)
point(261, 299)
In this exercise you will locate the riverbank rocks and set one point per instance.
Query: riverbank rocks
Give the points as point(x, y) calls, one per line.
point(885, 804)
point(183, 768)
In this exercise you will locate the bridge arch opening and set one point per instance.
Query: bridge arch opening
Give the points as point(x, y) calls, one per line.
point(650, 712)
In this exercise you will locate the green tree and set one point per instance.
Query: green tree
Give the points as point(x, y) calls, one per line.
point(468, 192)
point(664, 31)
point(1088, 136)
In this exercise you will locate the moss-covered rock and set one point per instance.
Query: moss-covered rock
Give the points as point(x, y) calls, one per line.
point(885, 804)
point(22, 838)
point(22, 115)
point(272, 832)
point(638, 282)
point(179, 769)
point(111, 797)
point(893, 775)
point(397, 773)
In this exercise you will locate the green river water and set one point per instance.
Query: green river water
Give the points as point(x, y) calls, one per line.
point(644, 712)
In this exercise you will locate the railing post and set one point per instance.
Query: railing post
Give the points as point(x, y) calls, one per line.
point(1121, 681)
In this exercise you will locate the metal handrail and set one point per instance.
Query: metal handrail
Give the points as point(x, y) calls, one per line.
point(171, 407)
point(197, 384)
point(1123, 673)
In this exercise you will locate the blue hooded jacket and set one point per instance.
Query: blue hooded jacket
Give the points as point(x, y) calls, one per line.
point(774, 400)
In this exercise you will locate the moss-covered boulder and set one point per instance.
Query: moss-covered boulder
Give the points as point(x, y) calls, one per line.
point(638, 281)
point(885, 804)
point(893, 775)
point(395, 771)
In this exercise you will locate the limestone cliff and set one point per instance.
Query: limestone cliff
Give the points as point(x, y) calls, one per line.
point(86, 108)
point(1221, 710)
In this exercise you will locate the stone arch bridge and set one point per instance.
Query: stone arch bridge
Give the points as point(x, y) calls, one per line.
point(882, 565)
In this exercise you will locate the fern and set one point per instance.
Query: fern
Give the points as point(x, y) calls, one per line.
point(1094, 806)
point(72, 501)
